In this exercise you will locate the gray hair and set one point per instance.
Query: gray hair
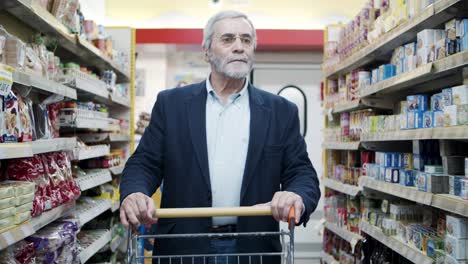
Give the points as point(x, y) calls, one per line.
point(208, 31)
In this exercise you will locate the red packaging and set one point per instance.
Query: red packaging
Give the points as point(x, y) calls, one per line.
point(55, 177)
point(64, 163)
point(366, 158)
point(54, 116)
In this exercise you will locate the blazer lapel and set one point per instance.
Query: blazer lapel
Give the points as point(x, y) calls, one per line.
point(259, 125)
point(196, 113)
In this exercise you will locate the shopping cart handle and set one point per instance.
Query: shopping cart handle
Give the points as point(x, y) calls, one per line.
point(213, 211)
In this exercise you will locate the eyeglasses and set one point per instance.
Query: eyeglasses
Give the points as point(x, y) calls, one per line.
point(229, 39)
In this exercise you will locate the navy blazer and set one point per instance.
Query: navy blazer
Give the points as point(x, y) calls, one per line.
point(174, 149)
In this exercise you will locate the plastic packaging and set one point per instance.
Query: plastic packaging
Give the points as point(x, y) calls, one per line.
point(24, 199)
point(25, 123)
point(7, 222)
point(7, 212)
point(6, 191)
point(20, 253)
point(11, 119)
point(19, 187)
point(7, 202)
point(27, 207)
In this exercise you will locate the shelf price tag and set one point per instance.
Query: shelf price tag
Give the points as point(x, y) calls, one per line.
point(6, 79)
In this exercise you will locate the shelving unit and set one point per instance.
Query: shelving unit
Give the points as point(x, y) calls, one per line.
point(342, 187)
point(408, 193)
point(425, 79)
point(94, 178)
point(104, 137)
point(117, 169)
point(91, 152)
point(23, 18)
point(328, 259)
point(85, 215)
point(341, 145)
point(396, 245)
point(349, 236)
point(24, 230)
point(88, 252)
point(431, 17)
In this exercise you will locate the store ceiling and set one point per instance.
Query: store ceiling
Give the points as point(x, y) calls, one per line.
point(291, 14)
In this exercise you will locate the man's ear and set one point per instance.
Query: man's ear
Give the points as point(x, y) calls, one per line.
point(205, 55)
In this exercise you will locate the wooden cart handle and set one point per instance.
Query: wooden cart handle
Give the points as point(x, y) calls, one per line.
point(219, 211)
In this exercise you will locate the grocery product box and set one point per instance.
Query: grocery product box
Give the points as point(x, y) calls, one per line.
point(464, 34)
point(455, 185)
point(433, 183)
point(453, 165)
point(462, 114)
point(452, 33)
point(457, 226)
point(414, 119)
point(418, 162)
point(408, 161)
point(447, 96)
point(451, 260)
point(375, 76)
point(433, 169)
point(428, 119)
point(450, 115)
point(426, 45)
point(456, 247)
point(438, 120)
point(417, 102)
point(407, 177)
point(460, 95)
point(466, 166)
point(437, 102)
point(386, 71)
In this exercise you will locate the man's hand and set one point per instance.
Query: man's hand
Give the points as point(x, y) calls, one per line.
point(282, 203)
point(136, 209)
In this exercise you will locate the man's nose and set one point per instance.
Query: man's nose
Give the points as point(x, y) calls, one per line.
point(238, 47)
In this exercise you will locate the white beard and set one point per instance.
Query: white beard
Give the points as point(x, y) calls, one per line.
point(234, 70)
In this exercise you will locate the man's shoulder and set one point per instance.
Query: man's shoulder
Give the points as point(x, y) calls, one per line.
point(183, 92)
point(273, 100)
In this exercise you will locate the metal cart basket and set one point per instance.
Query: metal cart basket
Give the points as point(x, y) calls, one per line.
point(286, 238)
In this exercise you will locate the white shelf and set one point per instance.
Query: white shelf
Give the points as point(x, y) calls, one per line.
point(51, 145)
point(408, 193)
point(396, 245)
point(450, 203)
point(43, 84)
point(88, 123)
point(115, 243)
point(328, 259)
point(341, 145)
point(123, 101)
point(91, 152)
point(443, 68)
point(115, 206)
point(26, 229)
point(35, 16)
point(15, 150)
point(349, 236)
point(94, 178)
point(84, 83)
point(341, 187)
point(85, 215)
point(92, 249)
point(456, 132)
point(48, 217)
point(117, 170)
point(104, 137)
point(15, 234)
point(430, 17)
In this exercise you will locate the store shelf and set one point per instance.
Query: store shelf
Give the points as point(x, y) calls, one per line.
point(115, 206)
point(349, 236)
point(408, 193)
point(91, 152)
point(15, 234)
point(51, 215)
point(456, 132)
point(117, 169)
point(328, 259)
point(85, 215)
point(396, 245)
point(87, 84)
point(43, 84)
point(15, 150)
point(88, 123)
point(94, 178)
point(92, 249)
point(443, 68)
point(120, 100)
point(450, 203)
point(24, 230)
point(104, 137)
point(33, 15)
point(432, 16)
point(115, 243)
point(341, 145)
point(341, 187)
point(51, 145)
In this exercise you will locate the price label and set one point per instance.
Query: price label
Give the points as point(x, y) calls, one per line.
point(6, 79)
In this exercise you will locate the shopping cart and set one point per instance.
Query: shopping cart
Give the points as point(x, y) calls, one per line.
point(286, 237)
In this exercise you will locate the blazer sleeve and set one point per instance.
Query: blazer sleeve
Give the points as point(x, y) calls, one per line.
point(143, 171)
point(298, 175)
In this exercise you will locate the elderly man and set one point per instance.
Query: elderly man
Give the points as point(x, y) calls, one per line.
point(221, 143)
